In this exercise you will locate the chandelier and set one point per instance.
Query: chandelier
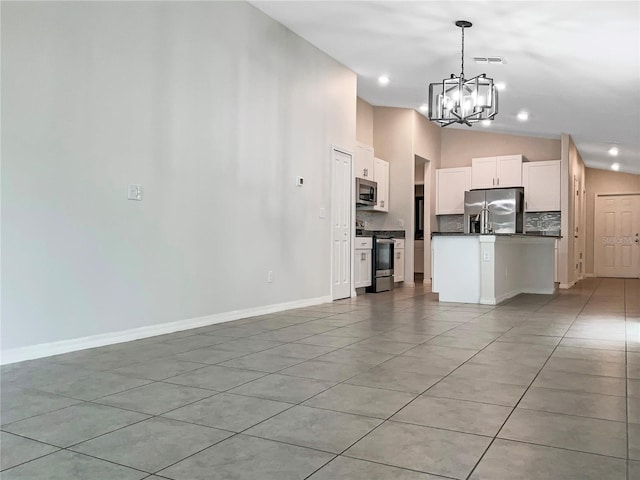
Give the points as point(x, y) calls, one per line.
point(458, 100)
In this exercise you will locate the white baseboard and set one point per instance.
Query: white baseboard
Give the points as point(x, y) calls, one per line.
point(409, 284)
point(540, 291)
point(567, 285)
point(65, 346)
point(499, 298)
point(590, 275)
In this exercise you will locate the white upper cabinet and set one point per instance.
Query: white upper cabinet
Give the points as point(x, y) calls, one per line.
point(497, 172)
point(541, 186)
point(363, 165)
point(381, 177)
point(483, 172)
point(451, 183)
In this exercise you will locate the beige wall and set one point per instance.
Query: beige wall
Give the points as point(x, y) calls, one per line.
point(460, 146)
point(427, 139)
point(577, 246)
point(364, 122)
point(427, 145)
point(603, 181)
point(392, 131)
point(569, 249)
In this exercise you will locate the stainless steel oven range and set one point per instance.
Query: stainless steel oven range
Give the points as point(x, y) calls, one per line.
point(382, 268)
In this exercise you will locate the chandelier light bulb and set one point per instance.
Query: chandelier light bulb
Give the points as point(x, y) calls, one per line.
point(501, 86)
point(424, 107)
point(615, 167)
point(383, 80)
point(523, 116)
point(613, 151)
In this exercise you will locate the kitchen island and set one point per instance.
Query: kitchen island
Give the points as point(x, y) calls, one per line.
point(488, 269)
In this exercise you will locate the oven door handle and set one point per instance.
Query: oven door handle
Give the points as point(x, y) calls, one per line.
point(385, 240)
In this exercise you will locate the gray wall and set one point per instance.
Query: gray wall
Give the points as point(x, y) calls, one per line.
point(214, 108)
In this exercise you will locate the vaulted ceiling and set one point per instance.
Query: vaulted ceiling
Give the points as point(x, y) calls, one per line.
point(574, 66)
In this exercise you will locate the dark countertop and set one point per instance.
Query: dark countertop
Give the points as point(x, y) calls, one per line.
point(380, 233)
point(460, 234)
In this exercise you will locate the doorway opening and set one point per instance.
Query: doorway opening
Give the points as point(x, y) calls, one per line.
point(422, 232)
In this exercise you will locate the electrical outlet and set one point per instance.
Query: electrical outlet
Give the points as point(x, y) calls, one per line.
point(270, 276)
point(486, 256)
point(323, 212)
point(401, 223)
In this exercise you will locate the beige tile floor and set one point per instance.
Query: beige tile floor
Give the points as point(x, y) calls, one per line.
point(384, 386)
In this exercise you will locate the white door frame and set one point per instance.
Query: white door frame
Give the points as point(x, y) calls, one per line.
point(595, 213)
point(352, 210)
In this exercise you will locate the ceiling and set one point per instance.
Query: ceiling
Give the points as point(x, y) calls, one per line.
point(573, 65)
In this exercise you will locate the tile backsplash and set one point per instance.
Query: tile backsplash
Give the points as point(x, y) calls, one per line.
point(366, 219)
point(451, 223)
point(542, 222)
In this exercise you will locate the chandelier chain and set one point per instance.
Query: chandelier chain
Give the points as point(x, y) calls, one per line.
point(462, 56)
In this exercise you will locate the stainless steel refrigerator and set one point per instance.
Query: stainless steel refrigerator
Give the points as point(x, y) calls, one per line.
point(494, 210)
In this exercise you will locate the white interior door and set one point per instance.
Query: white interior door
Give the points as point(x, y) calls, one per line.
point(341, 205)
point(617, 236)
point(576, 228)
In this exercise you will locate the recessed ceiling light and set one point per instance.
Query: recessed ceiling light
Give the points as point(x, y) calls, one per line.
point(523, 116)
point(423, 108)
point(486, 123)
point(383, 80)
point(501, 85)
point(615, 166)
point(613, 151)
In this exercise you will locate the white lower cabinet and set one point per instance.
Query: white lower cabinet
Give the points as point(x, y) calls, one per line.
point(398, 261)
point(362, 262)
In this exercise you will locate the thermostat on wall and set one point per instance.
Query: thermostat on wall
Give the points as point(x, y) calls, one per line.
point(299, 181)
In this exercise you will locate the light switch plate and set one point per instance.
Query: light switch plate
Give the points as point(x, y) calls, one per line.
point(134, 192)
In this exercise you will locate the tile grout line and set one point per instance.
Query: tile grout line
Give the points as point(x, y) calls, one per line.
point(626, 382)
point(528, 387)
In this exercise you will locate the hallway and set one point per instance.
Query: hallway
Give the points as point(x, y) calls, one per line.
point(381, 386)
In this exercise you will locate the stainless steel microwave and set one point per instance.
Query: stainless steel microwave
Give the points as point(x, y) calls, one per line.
point(366, 192)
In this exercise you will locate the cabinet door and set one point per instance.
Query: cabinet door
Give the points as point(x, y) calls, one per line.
point(451, 183)
point(541, 186)
point(363, 165)
point(381, 177)
point(483, 172)
point(362, 273)
point(398, 265)
point(509, 171)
